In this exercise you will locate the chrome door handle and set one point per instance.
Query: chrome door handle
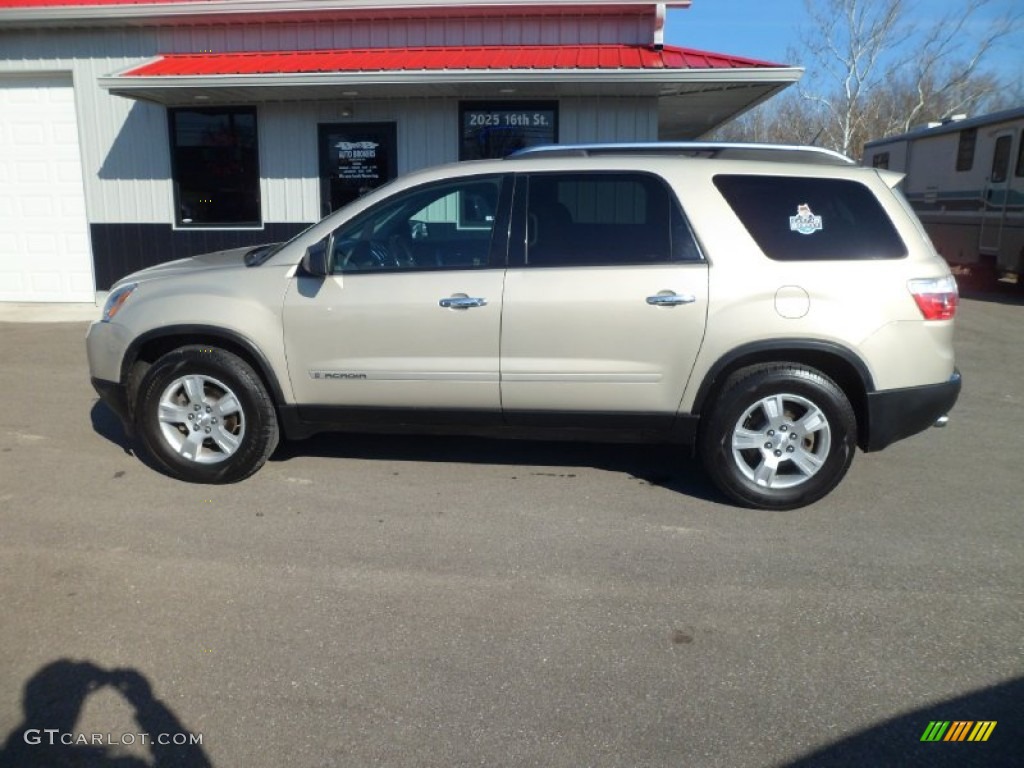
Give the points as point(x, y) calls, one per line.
point(462, 302)
point(671, 299)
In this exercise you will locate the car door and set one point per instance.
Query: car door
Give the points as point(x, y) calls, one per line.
point(605, 300)
point(409, 317)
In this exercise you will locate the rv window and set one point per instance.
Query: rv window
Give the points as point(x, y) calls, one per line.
point(808, 219)
point(881, 160)
point(1001, 159)
point(965, 150)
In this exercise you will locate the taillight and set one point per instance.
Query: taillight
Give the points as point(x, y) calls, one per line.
point(936, 297)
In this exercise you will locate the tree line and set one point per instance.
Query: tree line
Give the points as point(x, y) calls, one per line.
point(875, 68)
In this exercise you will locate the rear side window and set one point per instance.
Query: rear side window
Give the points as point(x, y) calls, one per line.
point(604, 219)
point(808, 219)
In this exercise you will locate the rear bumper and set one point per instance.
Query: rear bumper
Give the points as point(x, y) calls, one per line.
point(899, 413)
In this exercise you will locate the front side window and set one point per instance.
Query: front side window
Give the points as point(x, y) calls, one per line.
point(598, 219)
point(449, 225)
point(794, 218)
point(215, 163)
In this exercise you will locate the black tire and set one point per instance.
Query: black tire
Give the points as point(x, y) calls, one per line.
point(204, 415)
point(747, 441)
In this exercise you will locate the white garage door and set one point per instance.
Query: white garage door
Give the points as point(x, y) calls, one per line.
point(44, 243)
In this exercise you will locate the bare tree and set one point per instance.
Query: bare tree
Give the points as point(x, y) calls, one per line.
point(787, 118)
point(876, 71)
point(873, 69)
point(946, 66)
point(846, 42)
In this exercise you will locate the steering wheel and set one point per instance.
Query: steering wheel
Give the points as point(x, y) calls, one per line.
point(401, 251)
point(368, 255)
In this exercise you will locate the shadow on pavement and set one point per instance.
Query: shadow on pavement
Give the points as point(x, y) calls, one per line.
point(665, 466)
point(53, 700)
point(106, 424)
point(1012, 296)
point(897, 742)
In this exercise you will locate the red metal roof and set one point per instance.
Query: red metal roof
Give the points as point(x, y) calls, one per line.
point(102, 3)
point(59, 3)
point(500, 57)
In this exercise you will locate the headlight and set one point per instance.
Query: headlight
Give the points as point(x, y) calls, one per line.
point(116, 300)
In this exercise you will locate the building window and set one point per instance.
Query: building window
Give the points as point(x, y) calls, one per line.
point(881, 160)
point(215, 162)
point(497, 129)
point(965, 150)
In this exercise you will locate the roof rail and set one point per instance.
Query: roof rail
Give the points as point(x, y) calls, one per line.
point(782, 153)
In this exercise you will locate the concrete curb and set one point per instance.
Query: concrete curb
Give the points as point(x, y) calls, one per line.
point(14, 312)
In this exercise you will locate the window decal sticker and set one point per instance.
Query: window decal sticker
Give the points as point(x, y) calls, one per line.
point(805, 222)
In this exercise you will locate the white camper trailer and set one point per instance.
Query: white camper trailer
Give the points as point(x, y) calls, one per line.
point(965, 180)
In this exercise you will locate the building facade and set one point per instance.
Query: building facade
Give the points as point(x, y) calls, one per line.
point(133, 133)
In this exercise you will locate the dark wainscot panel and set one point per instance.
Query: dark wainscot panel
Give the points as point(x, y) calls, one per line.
point(120, 249)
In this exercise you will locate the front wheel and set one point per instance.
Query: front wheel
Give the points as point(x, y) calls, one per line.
point(204, 415)
point(779, 437)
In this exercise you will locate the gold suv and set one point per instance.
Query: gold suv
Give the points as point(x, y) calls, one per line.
point(771, 307)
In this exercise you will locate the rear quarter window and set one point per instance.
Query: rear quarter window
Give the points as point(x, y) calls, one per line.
point(811, 219)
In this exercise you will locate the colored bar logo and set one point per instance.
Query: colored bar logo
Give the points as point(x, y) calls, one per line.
point(958, 730)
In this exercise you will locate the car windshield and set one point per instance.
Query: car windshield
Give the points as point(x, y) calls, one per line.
point(263, 253)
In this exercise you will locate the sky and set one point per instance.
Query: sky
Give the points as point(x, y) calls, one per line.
point(766, 29)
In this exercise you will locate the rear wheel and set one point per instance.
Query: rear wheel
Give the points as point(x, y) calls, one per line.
point(205, 416)
point(779, 437)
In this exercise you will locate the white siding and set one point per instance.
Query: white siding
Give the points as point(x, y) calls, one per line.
point(608, 119)
point(124, 143)
point(44, 243)
point(427, 135)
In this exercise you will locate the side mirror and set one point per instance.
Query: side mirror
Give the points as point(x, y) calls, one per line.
point(316, 261)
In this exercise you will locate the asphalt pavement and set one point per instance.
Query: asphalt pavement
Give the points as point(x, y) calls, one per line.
point(383, 601)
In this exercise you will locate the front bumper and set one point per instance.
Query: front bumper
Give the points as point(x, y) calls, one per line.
point(116, 398)
point(899, 413)
point(105, 345)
